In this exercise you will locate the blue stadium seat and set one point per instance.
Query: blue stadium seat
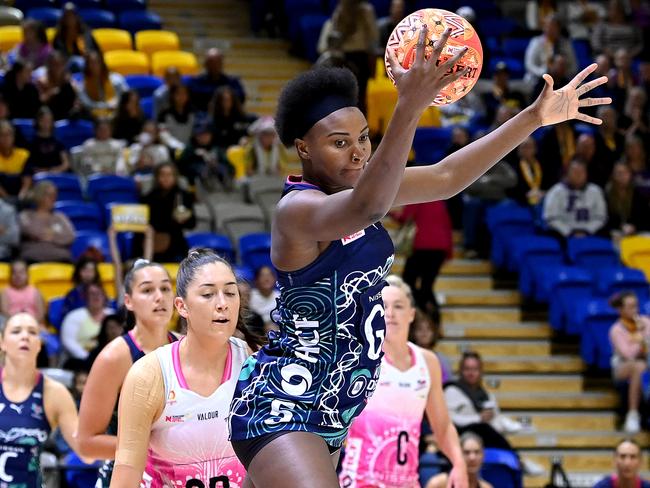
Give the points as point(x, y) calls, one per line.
point(121, 5)
point(430, 465)
point(90, 238)
point(504, 221)
point(98, 18)
point(146, 104)
point(79, 474)
point(501, 468)
point(105, 189)
point(48, 15)
point(218, 242)
point(255, 250)
point(644, 307)
point(497, 26)
point(592, 252)
point(597, 318)
point(137, 20)
point(55, 312)
point(516, 47)
point(145, 85)
point(310, 27)
point(430, 143)
point(80, 4)
point(566, 286)
point(73, 133)
point(25, 127)
point(616, 279)
point(244, 273)
point(26, 5)
point(535, 253)
point(582, 48)
point(296, 10)
point(515, 65)
point(583, 128)
point(83, 215)
point(67, 185)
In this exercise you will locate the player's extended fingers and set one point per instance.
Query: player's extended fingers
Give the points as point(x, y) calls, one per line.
point(440, 43)
point(421, 44)
point(582, 89)
point(586, 118)
point(582, 76)
point(393, 63)
point(589, 102)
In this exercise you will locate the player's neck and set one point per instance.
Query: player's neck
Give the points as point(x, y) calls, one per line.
point(17, 373)
point(205, 355)
point(150, 338)
point(473, 481)
point(397, 352)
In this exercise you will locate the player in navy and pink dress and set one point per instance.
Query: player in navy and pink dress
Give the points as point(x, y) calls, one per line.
point(175, 401)
point(297, 396)
point(31, 405)
point(381, 450)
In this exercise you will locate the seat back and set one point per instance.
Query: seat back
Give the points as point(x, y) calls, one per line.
point(255, 250)
point(10, 37)
point(501, 468)
point(145, 85)
point(151, 41)
point(73, 133)
point(67, 184)
point(105, 189)
point(51, 279)
point(111, 39)
point(219, 243)
point(137, 20)
point(98, 18)
point(185, 62)
point(592, 252)
point(83, 215)
point(89, 238)
point(127, 62)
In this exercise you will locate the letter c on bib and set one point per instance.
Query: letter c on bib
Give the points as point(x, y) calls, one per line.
point(289, 372)
point(3, 464)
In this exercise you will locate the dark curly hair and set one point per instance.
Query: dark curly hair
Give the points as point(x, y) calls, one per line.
point(304, 91)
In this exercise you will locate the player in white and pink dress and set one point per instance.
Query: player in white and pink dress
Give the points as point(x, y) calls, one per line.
point(381, 450)
point(175, 401)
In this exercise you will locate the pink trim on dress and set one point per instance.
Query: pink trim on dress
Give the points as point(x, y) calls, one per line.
point(297, 179)
point(176, 360)
point(411, 353)
point(227, 369)
point(132, 336)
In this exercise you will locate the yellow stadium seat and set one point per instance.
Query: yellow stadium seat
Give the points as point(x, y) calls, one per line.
point(107, 277)
point(127, 62)
point(172, 269)
point(635, 253)
point(151, 41)
point(52, 279)
point(10, 36)
point(50, 32)
point(236, 157)
point(184, 61)
point(5, 271)
point(113, 39)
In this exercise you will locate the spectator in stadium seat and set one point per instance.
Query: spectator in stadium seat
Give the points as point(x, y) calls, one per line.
point(101, 153)
point(19, 296)
point(171, 212)
point(34, 48)
point(73, 39)
point(177, 121)
point(161, 97)
point(230, 120)
point(148, 144)
point(81, 327)
point(557, 145)
point(628, 459)
point(487, 191)
point(636, 159)
point(85, 273)
point(356, 21)
point(634, 119)
point(425, 332)
point(129, 117)
point(537, 11)
point(581, 16)
point(264, 296)
point(533, 178)
point(19, 91)
point(265, 154)
point(112, 327)
point(386, 25)
point(558, 68)
point(55, 88)
point(630, 336)
point(9, 230)
point(543, 48)
point(501, 93)
point(203, 159)
point(472, 408)
point(472, 447)
point(14, 182)
point(46, 234)
point(100, 90)
point(203, 86)
point(615, 32)
point(621, 79)
point(610, 141)
point(626, 208)
point(46, 153)
point(574, 207)
point(598, 161)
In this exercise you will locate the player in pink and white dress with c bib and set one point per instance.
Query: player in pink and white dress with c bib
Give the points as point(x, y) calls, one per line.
point(381, 450)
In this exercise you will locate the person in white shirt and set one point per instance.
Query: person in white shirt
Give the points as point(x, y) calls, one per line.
point(264, 294)
point(102, 153)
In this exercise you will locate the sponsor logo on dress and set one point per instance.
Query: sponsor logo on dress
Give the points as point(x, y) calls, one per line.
point(175, 419)
point(17, 408)
point(353, 237)
point(208, 415)
point(37, 411)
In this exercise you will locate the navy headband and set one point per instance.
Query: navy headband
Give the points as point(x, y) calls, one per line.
point(322, 108)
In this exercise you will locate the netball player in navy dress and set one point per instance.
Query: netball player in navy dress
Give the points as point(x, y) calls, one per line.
point(296, 397)
point(31, 405)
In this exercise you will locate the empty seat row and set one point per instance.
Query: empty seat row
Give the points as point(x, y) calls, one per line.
point(129, 20)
